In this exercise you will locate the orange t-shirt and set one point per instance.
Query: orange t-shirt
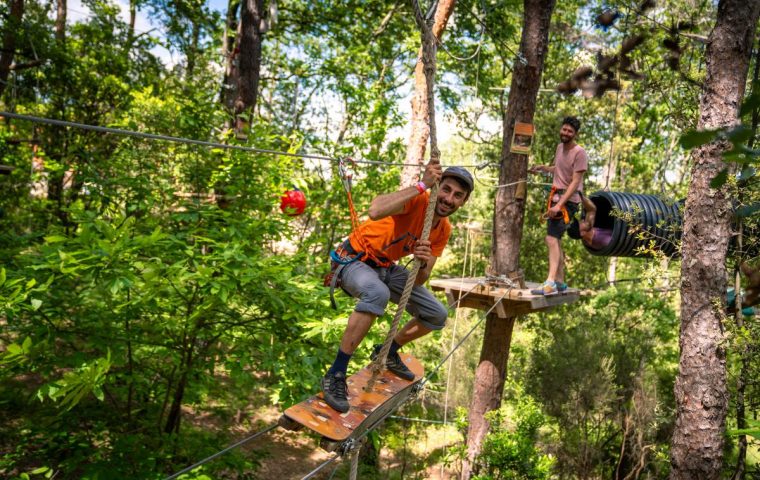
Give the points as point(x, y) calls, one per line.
point(394, 236)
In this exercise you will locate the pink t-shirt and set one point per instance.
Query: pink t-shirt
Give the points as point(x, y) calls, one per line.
point(575, 160)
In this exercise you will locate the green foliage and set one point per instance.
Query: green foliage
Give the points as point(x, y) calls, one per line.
point(584, 368)
point(512, 453)
point(753, 430)
point(75, 384)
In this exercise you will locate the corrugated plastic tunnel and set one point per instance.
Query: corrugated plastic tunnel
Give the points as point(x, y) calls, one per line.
point(636, 221)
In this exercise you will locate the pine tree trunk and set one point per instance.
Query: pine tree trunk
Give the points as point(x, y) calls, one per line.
point(508, 220)
point(132, 20)
point(12, 25)
point(60, 21)
point(192, 56)
point(490, 376)
point(249, 56)
point(700, 390)
point(229, 50)
point(420, 132)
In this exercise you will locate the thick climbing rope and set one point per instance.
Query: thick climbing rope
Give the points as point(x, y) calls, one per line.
point(355, 462)
point(428, 60)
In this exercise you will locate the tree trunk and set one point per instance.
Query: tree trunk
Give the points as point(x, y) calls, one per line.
point(192, 56)
point(418, 137)
point(229, 50)
point(700, 389)
point(508, 220)
point(249, 57)
point(60, 21)
point(490, 376)
point(175, 410)
point(12, 25)
point(132, 19)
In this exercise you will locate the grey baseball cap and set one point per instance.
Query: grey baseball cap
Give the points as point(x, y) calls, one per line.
point(462, 174)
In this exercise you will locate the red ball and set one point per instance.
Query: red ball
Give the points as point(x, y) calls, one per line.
point(293, 202)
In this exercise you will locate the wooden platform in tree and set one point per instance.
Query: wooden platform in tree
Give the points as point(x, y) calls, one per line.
point(367, 408)
point(516, 301)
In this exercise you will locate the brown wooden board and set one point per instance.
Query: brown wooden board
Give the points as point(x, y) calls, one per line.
point(366, 408)
point(477, 293)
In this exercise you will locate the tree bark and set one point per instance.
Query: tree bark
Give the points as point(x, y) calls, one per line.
point(490, 376)
point(420, 132)
point(132, 20)
point(249, 56)
point(229, 50)
point(700, 389)
point(192, 55)
point(509, 213)
point(12, 25)
point(60, 21)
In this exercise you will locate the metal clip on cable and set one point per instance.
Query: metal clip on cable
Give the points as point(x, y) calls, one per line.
point(346, 175)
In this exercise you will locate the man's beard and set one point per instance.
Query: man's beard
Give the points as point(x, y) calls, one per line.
point(444, 214)
point(564, 139)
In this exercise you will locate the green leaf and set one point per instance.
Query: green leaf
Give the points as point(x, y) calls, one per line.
point(694, 138)
point(739, 135)
point(747, 173)
point(747, 210)
point(38, 471)
point(36, 304)
point(720, 179)
point(55, 239)
point(752, 432)
point(750, 103)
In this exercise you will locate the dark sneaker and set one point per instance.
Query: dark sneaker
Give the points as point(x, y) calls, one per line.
point(561, 287)
point(335, 391)
point(548, 288)
point(394, 364)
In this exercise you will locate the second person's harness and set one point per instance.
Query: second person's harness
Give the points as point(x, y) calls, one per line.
point(565, 214)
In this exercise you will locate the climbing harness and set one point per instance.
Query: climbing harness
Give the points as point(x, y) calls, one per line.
point(345, 254)
point(565, 214)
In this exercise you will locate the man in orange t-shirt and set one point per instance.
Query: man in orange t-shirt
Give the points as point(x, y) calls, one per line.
point(393, 232)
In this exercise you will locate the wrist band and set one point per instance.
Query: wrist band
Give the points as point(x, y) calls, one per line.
point(421, 187)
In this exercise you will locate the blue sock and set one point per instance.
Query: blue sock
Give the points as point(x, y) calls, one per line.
point(341, 363)
point(394, 348)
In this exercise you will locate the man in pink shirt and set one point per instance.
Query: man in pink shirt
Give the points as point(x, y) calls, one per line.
point(570, 163)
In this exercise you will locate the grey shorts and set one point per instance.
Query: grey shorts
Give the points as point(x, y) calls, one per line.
point(555, 227)
point(375, 286)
